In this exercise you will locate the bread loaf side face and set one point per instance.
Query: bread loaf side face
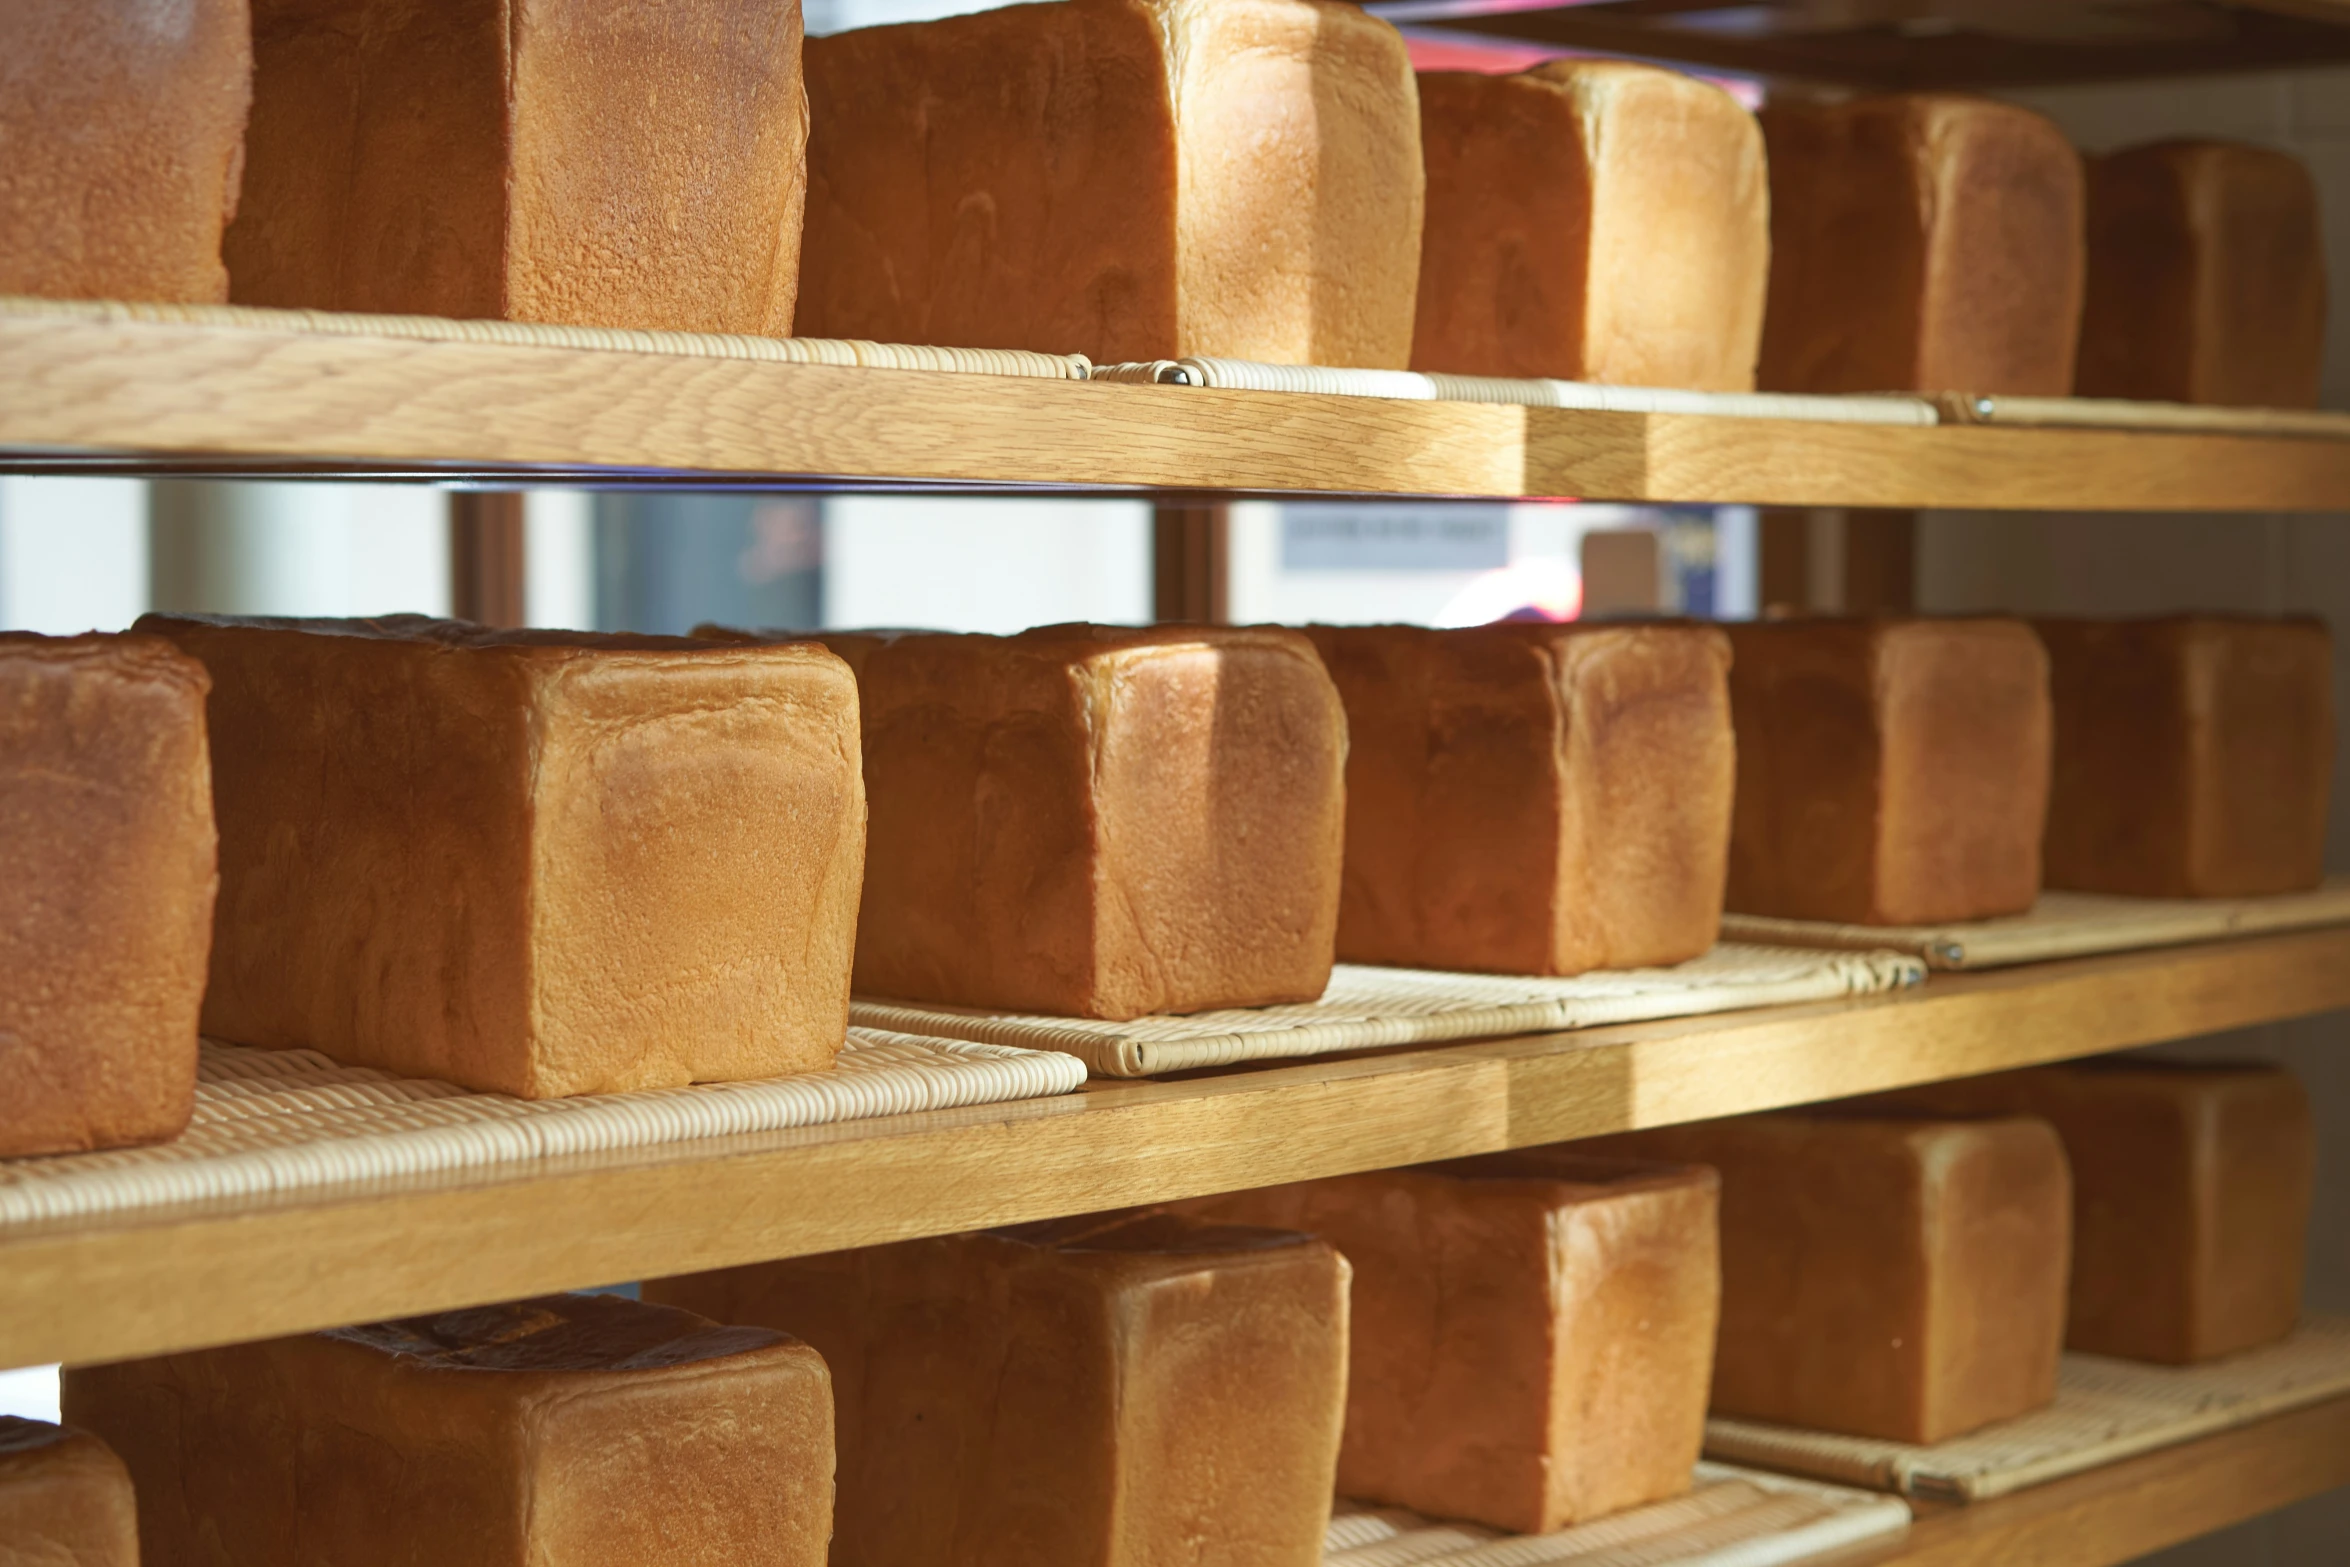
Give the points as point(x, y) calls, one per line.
point(1002, 180)
point(531, 863)
point(1532, 1337)
point(1595, 221)
point(1300, 185)
point(107, 836)
point(619, 166)
point(1082, 1391)
point(1126, 179)
point(1883, 1275)
point(1889, 772)
point(1100, 822)
point(65, 1499)
point(2193, 755)
point(1922, 242)
point(2206, 277)
point(2192, 1188)
point(1535, 800)
point(558, 1429)
point(125, 130)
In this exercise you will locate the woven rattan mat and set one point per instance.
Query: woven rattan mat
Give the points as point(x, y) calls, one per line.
point(2064, 925)
point(1730, 1518)
point(533, 334)
point(1365, 1008)
point(2105, 1411)
point(278, 1121)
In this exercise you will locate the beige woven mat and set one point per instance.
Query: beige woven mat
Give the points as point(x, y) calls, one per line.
point(2064, 925)
point(1365, 1008)
point(1730, 1518)
point(278, 1121)
point(532, 334)
point(2105, 1411)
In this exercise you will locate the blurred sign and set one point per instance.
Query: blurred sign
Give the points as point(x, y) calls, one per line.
point(1394, 538)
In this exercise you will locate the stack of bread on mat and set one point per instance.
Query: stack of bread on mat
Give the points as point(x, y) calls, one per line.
point(1137, 180)
point(558, 863)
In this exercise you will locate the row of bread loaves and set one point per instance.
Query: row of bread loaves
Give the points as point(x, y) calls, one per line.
point(1075, 1394)
point(533, 863)
point(1137, 180)
point(1527, 1341)
point(551, 863)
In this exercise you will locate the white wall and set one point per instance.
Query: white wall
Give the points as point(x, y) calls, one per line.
point(73, 554)
point(299, 549)
point(984, 565)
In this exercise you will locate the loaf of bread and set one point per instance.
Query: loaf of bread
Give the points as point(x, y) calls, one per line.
point(65, 1499)
point(2194, 755)
point(1890, 772)
point(1096, 821)
point(1533, 799)
point(1532, 1334)
point(1083, 1393)
point(2191, 1194)
point(1127, 179)
point(1922, 242)
point(124, 130)
point(1884, 1275)
point(2207, 277)
point(107, 876)
point(536, 863)
point(571, 161)
point(587, 1430)
point(1593, 220)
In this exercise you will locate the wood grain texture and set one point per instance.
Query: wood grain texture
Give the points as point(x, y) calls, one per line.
point(167, 399)
point(106, 1291)
point(2123, 1511)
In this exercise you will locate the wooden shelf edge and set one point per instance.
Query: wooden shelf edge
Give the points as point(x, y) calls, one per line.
point(171, 400)
point(2123, 1511)
point(100, 1291)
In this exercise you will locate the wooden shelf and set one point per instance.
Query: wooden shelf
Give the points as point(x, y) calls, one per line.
point(90, 1291)
point(1952, 44)
point(2123, 1511)
point(168, 400)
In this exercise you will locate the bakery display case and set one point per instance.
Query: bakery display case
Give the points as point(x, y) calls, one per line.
point(1158, 935)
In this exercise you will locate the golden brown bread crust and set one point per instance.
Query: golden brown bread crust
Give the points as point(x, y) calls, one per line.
point(1126, 179)
point(532, 863)
point(2191, 1195)
point(1533, 799)
point(562, 160)
point(124, 126)
point(2194, 755)
point(2207, 277)
point(583, 1429)
point(1592, 220)
point(1884, 1275)
point(1100, 821)
point(1890, 772)
point(1922, 242)
point(65, 1499)
point(1532, 1334)
point(108, 870)
point(1073, 1394)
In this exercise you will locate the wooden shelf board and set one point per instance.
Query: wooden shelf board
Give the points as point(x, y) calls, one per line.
point(170, 400)
point(98, 1291)
point(1909, 48)
point(2125, 1510)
